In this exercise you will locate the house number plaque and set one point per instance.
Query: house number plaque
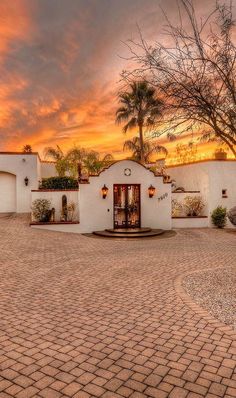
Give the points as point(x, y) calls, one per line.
point(127, 172)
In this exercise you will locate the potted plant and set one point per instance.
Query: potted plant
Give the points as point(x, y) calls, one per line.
point(41, 210)
point(193, 205)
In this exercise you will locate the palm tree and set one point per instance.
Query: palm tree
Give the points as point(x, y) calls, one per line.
point(27, 148)
point(93, 163)
point(61, 162)
point(149, 148)
point(76, 157)
point(139, 108)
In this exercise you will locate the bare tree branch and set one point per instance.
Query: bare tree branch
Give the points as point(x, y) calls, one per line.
point(194, 73)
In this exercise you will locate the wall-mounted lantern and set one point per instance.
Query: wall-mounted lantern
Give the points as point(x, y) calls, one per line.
point(26, 181)
point(104, 191)
point(151, 191)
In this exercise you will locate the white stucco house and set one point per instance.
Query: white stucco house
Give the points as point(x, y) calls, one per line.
point(134, 196)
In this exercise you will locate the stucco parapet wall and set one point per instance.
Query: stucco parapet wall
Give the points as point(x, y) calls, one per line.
point(199, 161)
point(21, 154)
point(130, 160)
point(55, 190)
point(98, 175)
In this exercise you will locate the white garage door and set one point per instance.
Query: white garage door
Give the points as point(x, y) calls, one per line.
point(7, 193)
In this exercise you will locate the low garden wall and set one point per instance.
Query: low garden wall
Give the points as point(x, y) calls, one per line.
point(180, 218)
point(55, 197)
point(190, 222)
point(180, 196)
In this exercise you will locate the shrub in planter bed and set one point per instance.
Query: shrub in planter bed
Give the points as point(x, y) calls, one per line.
point(59, 183)
point(218, 217)
point(41, 210)
point(193, 205)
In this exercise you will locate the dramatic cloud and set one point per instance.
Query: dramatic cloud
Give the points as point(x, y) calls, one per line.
point(59, 68)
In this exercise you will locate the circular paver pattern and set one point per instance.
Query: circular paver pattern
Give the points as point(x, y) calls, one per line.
point(84, 317)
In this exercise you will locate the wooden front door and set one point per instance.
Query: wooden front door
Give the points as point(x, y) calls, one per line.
point(127, 206)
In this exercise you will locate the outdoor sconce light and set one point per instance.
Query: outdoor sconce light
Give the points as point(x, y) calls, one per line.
point(26, 181)
point(151, 191)
point(104, 191)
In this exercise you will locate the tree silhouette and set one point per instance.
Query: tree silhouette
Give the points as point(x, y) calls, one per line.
point(27, 148)
point(140, 108)
point(195, 72)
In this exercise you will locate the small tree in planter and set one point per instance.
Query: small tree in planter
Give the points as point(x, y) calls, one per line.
point(41, 210)
point(193, 205)
point(218, 217)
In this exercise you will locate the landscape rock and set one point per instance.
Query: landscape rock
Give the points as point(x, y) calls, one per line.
point(232, 215)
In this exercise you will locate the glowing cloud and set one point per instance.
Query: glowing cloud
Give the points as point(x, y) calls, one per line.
point(59, 69)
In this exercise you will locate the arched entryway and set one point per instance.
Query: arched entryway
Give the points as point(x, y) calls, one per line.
point(7, 192)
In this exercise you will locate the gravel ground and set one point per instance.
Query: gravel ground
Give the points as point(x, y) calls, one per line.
point(215, 291)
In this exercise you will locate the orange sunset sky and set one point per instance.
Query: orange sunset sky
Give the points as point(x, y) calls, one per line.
point(60, 62)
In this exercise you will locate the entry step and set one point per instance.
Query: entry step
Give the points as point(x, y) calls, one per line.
point(128, 230)
point(129, 233)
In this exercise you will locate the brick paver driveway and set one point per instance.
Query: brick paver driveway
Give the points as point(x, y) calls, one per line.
point(84, 317)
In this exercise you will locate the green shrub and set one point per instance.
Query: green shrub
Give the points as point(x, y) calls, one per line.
point(59, 183)
point(218, 217)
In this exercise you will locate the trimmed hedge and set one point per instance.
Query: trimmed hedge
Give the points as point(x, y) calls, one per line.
point(59, 183)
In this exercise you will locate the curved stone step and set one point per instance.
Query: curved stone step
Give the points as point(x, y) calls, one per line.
point(148, 234)
point(128, 230)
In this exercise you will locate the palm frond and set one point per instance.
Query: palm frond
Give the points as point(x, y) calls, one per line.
point(122, 114)
point(108, 158)
point(129, 145)
point(54, 153)
point(76, 154)
point(132, 123)
point(160, 149)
